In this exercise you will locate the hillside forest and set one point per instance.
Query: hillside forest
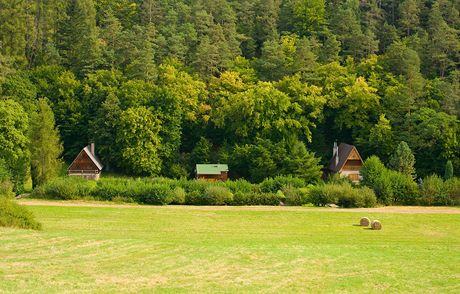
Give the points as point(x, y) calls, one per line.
point(266, 86)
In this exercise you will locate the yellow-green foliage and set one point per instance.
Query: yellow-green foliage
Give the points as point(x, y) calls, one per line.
point(343, 195)
point(435, 191)
point(14, 215)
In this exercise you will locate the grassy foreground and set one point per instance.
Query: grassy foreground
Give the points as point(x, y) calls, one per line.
point(231, 249)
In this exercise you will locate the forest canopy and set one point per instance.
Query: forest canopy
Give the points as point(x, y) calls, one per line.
point(266, 86)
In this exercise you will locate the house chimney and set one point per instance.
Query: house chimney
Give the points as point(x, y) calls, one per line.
point(92, 149)
point(335, 153)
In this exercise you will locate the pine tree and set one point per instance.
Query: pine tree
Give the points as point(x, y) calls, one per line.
point(13, 30)
point(151, 11)
point(302, 163)
point(207, 57)
point(387, 36)
point(142, 65)
point(41, 47)
point(354, 41)
point(305, 59)
point(409, 16)
point(272, 64)
point(449, 172)
point(111, 34)
point(103, 130)
point(444, 44)
point(403, 160)
point(201, 153)
point(330, 49)
point(266, 21)
point(78, 42)
point(45, 146)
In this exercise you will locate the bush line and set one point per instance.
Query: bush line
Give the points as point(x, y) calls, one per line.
point(387, 188)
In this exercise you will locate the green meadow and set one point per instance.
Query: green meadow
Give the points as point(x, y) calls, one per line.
point(171, 249)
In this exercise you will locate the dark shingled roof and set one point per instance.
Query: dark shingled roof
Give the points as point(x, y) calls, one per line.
point(344, 152)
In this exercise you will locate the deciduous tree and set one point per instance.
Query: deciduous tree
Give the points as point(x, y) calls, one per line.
point(45, 145)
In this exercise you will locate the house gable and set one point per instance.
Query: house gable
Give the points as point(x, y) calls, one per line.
point(354, 155)
point(348, 156)
point(85, 161)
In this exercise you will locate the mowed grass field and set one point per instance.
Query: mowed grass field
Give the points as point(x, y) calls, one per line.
point(107, 249)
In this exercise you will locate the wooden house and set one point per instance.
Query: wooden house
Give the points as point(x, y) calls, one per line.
point(86, 164)
point(346, 162)
point(213, 172)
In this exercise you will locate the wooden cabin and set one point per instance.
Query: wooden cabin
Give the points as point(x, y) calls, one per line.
point(86, 164)
point(212, 172)
point(346, 161)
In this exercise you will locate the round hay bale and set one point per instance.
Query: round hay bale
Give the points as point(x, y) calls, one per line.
point(376, 225)
point(364, 221)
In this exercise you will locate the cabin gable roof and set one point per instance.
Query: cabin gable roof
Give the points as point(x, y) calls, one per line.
point(346, 152)
point(86, 152)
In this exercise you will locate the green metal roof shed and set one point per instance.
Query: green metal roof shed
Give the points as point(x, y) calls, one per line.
point(211, 169)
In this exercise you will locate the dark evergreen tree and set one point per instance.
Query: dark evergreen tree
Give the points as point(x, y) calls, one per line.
point(449, 172)
point(78, 41)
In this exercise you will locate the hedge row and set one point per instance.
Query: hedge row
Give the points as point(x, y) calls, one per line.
point(388, 187)
point(392, 187)
point(163, 191)
point(343, 194)
point(436, 191)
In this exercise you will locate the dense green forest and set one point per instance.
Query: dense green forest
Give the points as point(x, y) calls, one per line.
point(266, 86)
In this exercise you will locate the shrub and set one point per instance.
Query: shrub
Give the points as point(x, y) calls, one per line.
point(396, 188)
point(326, 193)
point(6, 188)
point(198, 185)
point(154, 194)
point(403, 160)
point(405, 190)
point(371, 171)
point(383, 188)
point(295, 196)
point(277, 183)
point(338, 179)
point(14, 215)
point(194, 198)
point(358, 197)
point(252, 198)
point(110, 188)
point(433, 192)
point(241, 185)
point(343, 195)
point(452, 187)
point(178, 196)
point(215, 195)
point(449, 170)
point(65, 188)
